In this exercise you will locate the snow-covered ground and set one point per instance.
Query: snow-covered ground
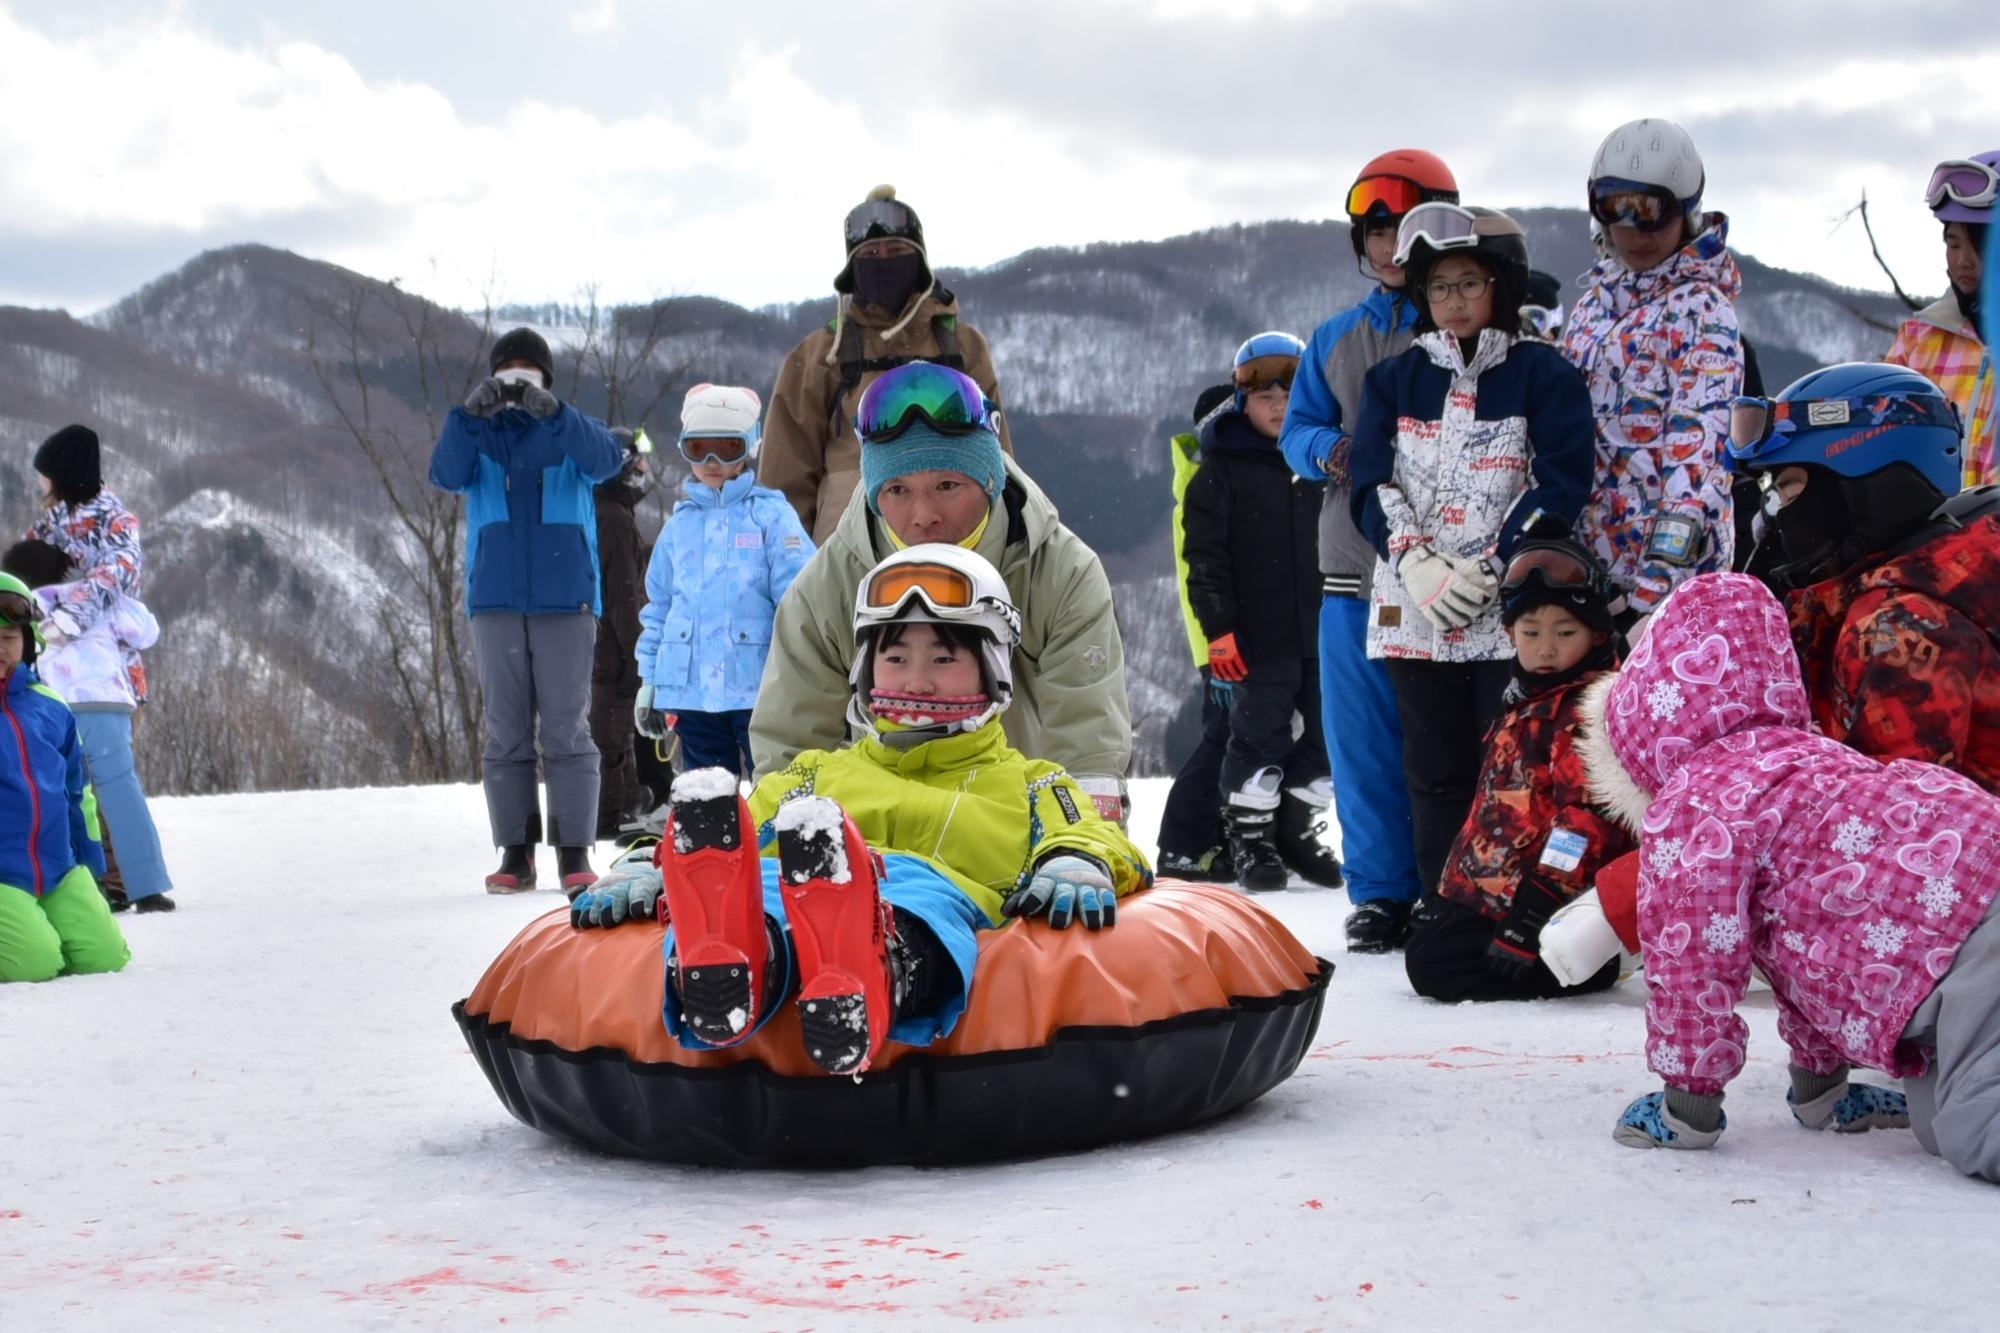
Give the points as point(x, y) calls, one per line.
point(269, 1121)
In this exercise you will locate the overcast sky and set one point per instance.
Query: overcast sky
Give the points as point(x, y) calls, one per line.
point(654, 148)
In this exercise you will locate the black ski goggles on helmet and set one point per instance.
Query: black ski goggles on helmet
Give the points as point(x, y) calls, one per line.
point(1620, 203)
point(881, 220)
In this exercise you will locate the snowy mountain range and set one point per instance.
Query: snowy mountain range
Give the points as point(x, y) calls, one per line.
point(259, 410)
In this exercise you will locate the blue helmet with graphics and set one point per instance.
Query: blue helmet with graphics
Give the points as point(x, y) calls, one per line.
point(1266, 359)
point(1881, 448)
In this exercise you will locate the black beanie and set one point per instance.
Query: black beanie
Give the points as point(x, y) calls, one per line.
point(69, 459)
point(524, 345)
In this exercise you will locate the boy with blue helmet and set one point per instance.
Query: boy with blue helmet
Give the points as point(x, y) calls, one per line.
point(1250, 532)
point(1364, 739)
point(1893, 594)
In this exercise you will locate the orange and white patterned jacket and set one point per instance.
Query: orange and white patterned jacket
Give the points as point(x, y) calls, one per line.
point(1940, 344)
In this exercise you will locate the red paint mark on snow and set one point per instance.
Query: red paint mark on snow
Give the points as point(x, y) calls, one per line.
point(293, 1235)
point(1364, 1289)
point(447, 1276)
point(1314, 1204)
point(1454, 1057)
point(9, 1214)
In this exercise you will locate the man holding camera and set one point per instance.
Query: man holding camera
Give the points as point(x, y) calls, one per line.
point(527, 464)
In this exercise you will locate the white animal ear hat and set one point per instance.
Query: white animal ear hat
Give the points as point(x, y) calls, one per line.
point(720, 409)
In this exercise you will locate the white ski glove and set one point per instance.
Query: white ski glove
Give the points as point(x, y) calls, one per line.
point(647, 720)
point(1451, 591)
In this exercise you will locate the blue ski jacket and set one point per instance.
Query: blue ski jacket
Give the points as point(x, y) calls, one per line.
point(530, 521)
point(48, 813)
point(719, 569)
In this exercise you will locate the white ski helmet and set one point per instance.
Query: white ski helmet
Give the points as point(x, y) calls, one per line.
point(940, 585)
point(1652, 152)
point(718, 411)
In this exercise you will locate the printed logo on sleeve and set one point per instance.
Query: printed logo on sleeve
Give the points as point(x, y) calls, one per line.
point(1068, 805)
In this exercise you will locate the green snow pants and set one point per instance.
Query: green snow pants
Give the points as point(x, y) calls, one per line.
point(67, 929)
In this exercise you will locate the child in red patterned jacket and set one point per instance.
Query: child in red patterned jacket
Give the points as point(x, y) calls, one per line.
point(1532, 841)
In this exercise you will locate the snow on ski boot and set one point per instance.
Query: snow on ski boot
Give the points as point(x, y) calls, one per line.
point(517, 869)
point(1252, 812)
point(1300, 833)
point(715, 900)
point(1213, 866)
point(1379, 926)
point(841, 929)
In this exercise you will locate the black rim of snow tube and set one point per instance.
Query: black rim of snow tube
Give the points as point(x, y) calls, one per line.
point(1088, 1086)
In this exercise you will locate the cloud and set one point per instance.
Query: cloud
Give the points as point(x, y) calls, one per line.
point(656, 149)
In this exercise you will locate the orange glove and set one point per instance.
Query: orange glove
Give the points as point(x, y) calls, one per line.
point(1225, 660)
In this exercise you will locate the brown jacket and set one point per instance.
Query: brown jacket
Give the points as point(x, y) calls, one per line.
point(815, 462)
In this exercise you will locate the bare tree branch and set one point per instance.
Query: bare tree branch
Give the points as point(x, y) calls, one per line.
point(1862, 208)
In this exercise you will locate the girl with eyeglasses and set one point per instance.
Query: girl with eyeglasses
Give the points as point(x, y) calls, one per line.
point(1656, 337)
point(1945, 342)
point(1466, 442)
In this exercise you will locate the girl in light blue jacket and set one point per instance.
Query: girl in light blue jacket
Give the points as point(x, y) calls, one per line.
point(723, 560)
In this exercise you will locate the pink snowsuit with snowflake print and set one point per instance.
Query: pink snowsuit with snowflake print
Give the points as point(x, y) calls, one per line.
point(1850, 882)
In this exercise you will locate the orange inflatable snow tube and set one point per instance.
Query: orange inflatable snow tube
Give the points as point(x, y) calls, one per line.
point(1197, 1002)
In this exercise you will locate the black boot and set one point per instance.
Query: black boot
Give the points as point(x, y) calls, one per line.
point(1252, 814)
point(517, 870)
point(1299, 835)
point(1378, 927)
point(154, 902)
point(1214, 866)
point(573, 864)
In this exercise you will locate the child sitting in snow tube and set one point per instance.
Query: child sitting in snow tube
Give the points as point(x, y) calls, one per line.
point(835, 957)
point(999, 835)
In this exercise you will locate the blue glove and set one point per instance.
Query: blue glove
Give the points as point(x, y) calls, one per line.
point(1064, 888)
point(647, 720)
point(1220, 692)
point(1852, 1108)
point(1649, 1123)
point(614, 900)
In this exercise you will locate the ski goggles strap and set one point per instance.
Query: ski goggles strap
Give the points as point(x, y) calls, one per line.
point(1392, 196)
point(948, 401)
point(1442, 226)
point(714, 448)
point(1974, 184)
point(1752, 421)
point(1620, 203)
point(943, 588)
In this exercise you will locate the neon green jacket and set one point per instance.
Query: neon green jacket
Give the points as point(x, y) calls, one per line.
point(1186, 450)
point(979, 809)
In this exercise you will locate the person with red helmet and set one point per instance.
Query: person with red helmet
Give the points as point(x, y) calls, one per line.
point(1358, 704)
point(1945, 342)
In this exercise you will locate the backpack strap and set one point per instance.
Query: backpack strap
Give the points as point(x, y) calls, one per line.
point(853, 365)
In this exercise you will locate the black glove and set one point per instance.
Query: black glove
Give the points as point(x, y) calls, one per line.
point(539, 402)
point(1517, 944)
point(487, 397)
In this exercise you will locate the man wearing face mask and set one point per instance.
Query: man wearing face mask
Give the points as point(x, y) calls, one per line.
point(1890, 576)
point(892, 310)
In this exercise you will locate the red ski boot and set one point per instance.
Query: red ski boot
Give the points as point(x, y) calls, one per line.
point(841, 929)
point(714, 896)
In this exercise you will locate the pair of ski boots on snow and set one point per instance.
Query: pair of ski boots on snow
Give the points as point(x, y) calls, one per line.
point(858, 959)
point(1275, 832)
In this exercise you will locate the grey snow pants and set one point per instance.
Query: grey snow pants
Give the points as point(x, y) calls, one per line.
point(1955, 1107)
point(535, 674)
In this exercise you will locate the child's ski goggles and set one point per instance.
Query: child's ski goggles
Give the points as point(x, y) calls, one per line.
point(922, 391)
point(1621, 203)
point(1558, 566)
point(1441, 226)
point(1376, 195)
point(723, 449)
point(942, 589)
point(1973, 184)
point(1753, 421)
point(1264, 372)
point(18, 610)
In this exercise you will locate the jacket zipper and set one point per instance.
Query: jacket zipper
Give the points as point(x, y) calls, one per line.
point(34, 796)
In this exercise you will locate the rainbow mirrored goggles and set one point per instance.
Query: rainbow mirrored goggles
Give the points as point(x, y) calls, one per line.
point(1620, 203)
point(944, 399)
point(1379, 196)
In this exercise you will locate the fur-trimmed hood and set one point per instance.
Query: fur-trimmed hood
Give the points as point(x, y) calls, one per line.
point(1716, 659)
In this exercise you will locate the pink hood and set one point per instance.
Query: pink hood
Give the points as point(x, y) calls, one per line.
point(1850, 882)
